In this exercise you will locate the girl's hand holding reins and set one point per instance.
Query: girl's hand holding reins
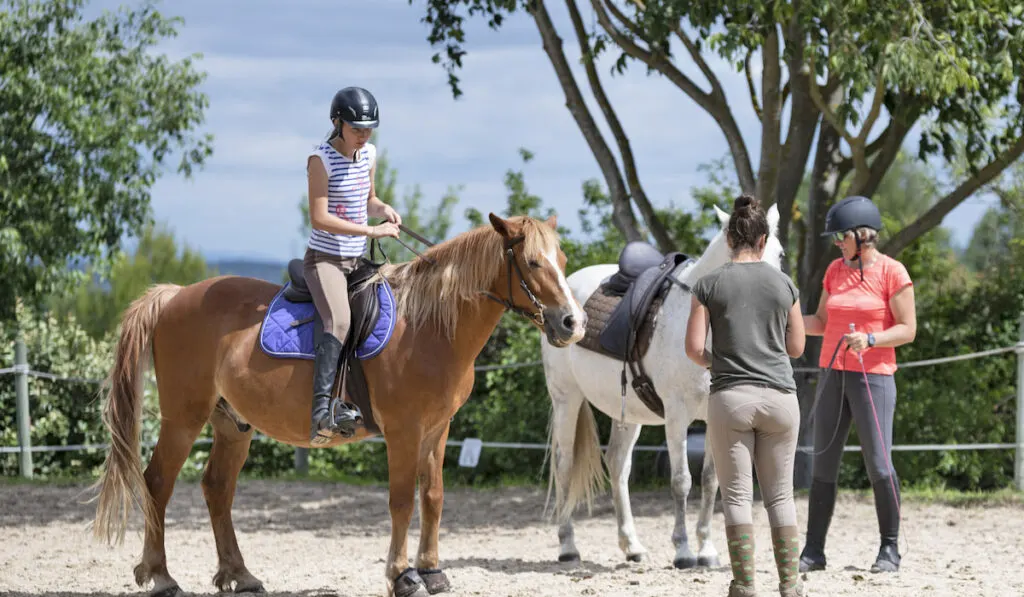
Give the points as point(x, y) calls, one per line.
point(391, 215)
point(382, 230)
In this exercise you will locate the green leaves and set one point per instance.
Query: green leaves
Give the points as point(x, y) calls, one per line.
point(62, 412)
point(89, 115)
point(100, 300)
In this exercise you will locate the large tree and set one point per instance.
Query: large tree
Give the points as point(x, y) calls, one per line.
point(839, 71)
point(89, 114)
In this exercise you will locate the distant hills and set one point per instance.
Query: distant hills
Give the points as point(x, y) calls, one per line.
point(271, 271)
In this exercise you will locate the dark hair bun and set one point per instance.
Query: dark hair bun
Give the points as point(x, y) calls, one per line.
point(744, 205)
point(747, 224)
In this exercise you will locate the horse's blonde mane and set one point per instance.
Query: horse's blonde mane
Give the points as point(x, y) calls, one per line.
point(464, 265)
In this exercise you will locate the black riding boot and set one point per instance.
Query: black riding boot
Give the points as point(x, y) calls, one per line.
point(887, 501)
point(821, 504)
point(325, 368)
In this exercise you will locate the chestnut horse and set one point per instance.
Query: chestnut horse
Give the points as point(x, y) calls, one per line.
point(203, 340)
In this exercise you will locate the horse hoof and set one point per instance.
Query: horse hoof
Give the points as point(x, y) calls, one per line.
point(685, 562)
point(409, 584)
point(635, 557)
point(241, 581)
point(708, 561)
point(568, 557)
point(171, 591)
point(435, 580)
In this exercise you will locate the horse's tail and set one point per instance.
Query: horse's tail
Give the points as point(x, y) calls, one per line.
point(587, 475)
point(122, 481)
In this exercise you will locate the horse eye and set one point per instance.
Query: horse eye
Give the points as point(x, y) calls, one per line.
point(534, 264)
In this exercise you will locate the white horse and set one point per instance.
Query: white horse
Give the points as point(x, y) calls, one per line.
point(576, 376)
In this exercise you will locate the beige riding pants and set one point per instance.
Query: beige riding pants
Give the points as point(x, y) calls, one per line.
point(326, 278)
point(752, 424)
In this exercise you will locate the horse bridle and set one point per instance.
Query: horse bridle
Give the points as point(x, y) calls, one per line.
point(510, 261)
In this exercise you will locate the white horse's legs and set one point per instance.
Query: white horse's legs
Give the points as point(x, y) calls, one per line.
point(563, 431)
point(707, 554)
point(620, 461)
point(675, 434)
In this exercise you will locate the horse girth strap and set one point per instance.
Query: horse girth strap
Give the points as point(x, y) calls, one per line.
point(536, 317)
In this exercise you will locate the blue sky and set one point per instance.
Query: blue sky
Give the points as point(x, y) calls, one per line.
point(272, 73)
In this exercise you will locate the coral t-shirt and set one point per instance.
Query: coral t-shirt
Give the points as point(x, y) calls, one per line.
point(864, 304)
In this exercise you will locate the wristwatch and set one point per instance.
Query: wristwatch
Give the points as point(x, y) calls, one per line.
point(871, 339)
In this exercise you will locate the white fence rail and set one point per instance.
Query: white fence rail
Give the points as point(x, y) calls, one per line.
point(22, 371)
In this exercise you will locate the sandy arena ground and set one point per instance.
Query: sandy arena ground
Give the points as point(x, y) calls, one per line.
point(320, 540)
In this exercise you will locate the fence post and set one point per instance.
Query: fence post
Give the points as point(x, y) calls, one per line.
point(1018, 476)
point(302, 461)
point(21, 394)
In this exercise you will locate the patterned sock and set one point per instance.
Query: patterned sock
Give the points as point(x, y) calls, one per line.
point(786, 545)
point(741, 553)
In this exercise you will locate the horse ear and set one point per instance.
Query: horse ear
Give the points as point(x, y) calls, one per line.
point(552, 222)
point(773, 217)
point(722, 216)
point(499, 224)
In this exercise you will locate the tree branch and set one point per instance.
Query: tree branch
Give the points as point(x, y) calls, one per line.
point(654, 61)
point(826, 110)
point(876, 107)
point(633, 28)
point(695, 55)
point(654, 224)
point(750, 84)
point(891, 142)
point(622, 214)
point(933, 217)
point(714, 104)
point(870, 149)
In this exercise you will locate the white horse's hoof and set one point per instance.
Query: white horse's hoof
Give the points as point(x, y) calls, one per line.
point(708, 561)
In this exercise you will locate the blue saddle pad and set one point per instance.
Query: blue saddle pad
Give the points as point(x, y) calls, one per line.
point(282, 336)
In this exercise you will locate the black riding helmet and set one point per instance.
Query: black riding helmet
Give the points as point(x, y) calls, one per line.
point(357, 107)
point(852, 212)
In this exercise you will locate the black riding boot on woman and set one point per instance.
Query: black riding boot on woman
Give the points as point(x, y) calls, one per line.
point(821, 504)
point(819, 516)
point(329, 419)
point(887, 508)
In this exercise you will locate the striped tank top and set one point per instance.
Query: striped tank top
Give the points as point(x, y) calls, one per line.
point(348, 189)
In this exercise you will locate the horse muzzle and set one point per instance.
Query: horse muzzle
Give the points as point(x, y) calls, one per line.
point(564, 325)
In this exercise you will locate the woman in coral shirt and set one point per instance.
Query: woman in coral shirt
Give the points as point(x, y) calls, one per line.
point(867, 304)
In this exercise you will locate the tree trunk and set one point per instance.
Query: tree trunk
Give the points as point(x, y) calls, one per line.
point(803, 122)
point(825, 179)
